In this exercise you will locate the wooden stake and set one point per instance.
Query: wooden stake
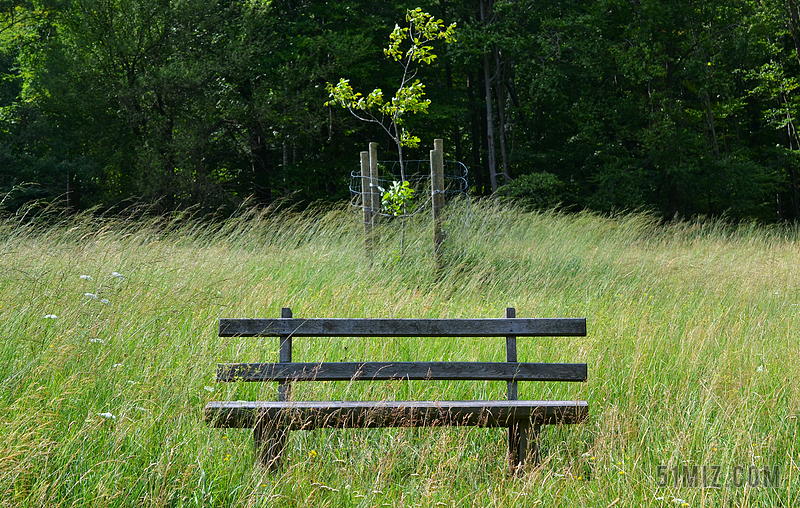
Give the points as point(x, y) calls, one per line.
point(366, 204)
point(374, 180)
point(437, 199)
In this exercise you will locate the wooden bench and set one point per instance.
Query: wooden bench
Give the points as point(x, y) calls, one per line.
point(271, 421)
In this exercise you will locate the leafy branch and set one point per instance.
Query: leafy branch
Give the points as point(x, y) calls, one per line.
point(397, 200)
point(422, 30)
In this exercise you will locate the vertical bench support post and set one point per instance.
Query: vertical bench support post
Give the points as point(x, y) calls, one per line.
point(270, 441)
point(516, 454)
point(520, 431)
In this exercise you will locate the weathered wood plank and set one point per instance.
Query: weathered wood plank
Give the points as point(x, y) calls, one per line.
point(383, 371)
point(343, 327)
point(373, 414)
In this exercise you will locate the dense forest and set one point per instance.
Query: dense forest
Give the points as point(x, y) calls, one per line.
point(682, 107)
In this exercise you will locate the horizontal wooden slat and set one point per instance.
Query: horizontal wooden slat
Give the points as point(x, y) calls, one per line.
point(317, 414)
point(340, 327)
point(381, 371)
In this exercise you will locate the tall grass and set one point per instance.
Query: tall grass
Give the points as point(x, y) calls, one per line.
point(692, 352)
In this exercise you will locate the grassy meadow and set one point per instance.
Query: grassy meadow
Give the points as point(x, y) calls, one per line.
point(108, 349)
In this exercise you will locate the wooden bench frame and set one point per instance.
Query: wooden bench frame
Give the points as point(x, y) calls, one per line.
point(271, 421)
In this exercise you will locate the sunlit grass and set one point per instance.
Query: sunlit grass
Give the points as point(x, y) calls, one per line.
point(109, 345)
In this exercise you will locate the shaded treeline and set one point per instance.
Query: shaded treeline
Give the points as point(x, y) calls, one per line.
point(683, 107)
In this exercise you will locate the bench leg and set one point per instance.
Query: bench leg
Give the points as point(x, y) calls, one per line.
point(523, 445)
point(534, 437)
point(517, 446)
point(269, 443)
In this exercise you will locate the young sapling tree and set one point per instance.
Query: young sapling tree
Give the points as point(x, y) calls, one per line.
point(390, 114)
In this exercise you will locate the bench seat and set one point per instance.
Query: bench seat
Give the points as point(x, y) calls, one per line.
point(412, 371)
point(307, 415)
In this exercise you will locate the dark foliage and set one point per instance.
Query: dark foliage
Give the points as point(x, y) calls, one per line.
point(683, 108)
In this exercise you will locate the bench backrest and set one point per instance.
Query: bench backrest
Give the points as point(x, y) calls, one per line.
point(368, 327)
point(509, 327)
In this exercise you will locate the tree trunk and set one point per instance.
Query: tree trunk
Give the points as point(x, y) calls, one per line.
point(485, 186)
point(501, 117)
point(475, 131)
point(489, 124)
point(795, 205)
point(73, 193)
point(487, 76)
point(794, 144)
point(794, 26)
point(399, 153)
point(674, 200)
point(711, 124)
point(261, 178)
point(456, 125)
point(514, 96)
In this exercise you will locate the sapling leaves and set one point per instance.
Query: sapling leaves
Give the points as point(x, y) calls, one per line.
point(422, 29)
point(397, 200)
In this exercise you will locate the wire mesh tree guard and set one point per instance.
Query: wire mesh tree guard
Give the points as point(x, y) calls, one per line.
point(419, 178)
point(380, 193)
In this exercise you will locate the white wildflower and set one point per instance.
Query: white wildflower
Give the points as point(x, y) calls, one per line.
point(208, 388)
point(86, 277)
point(50, 316)
point(117, 275)
point(760, 368)
point(678, 500)
point(96, 341)
point(116, 365)
point(107, 416)
point(90, 295)
point(105, 301)
point(325, 487)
